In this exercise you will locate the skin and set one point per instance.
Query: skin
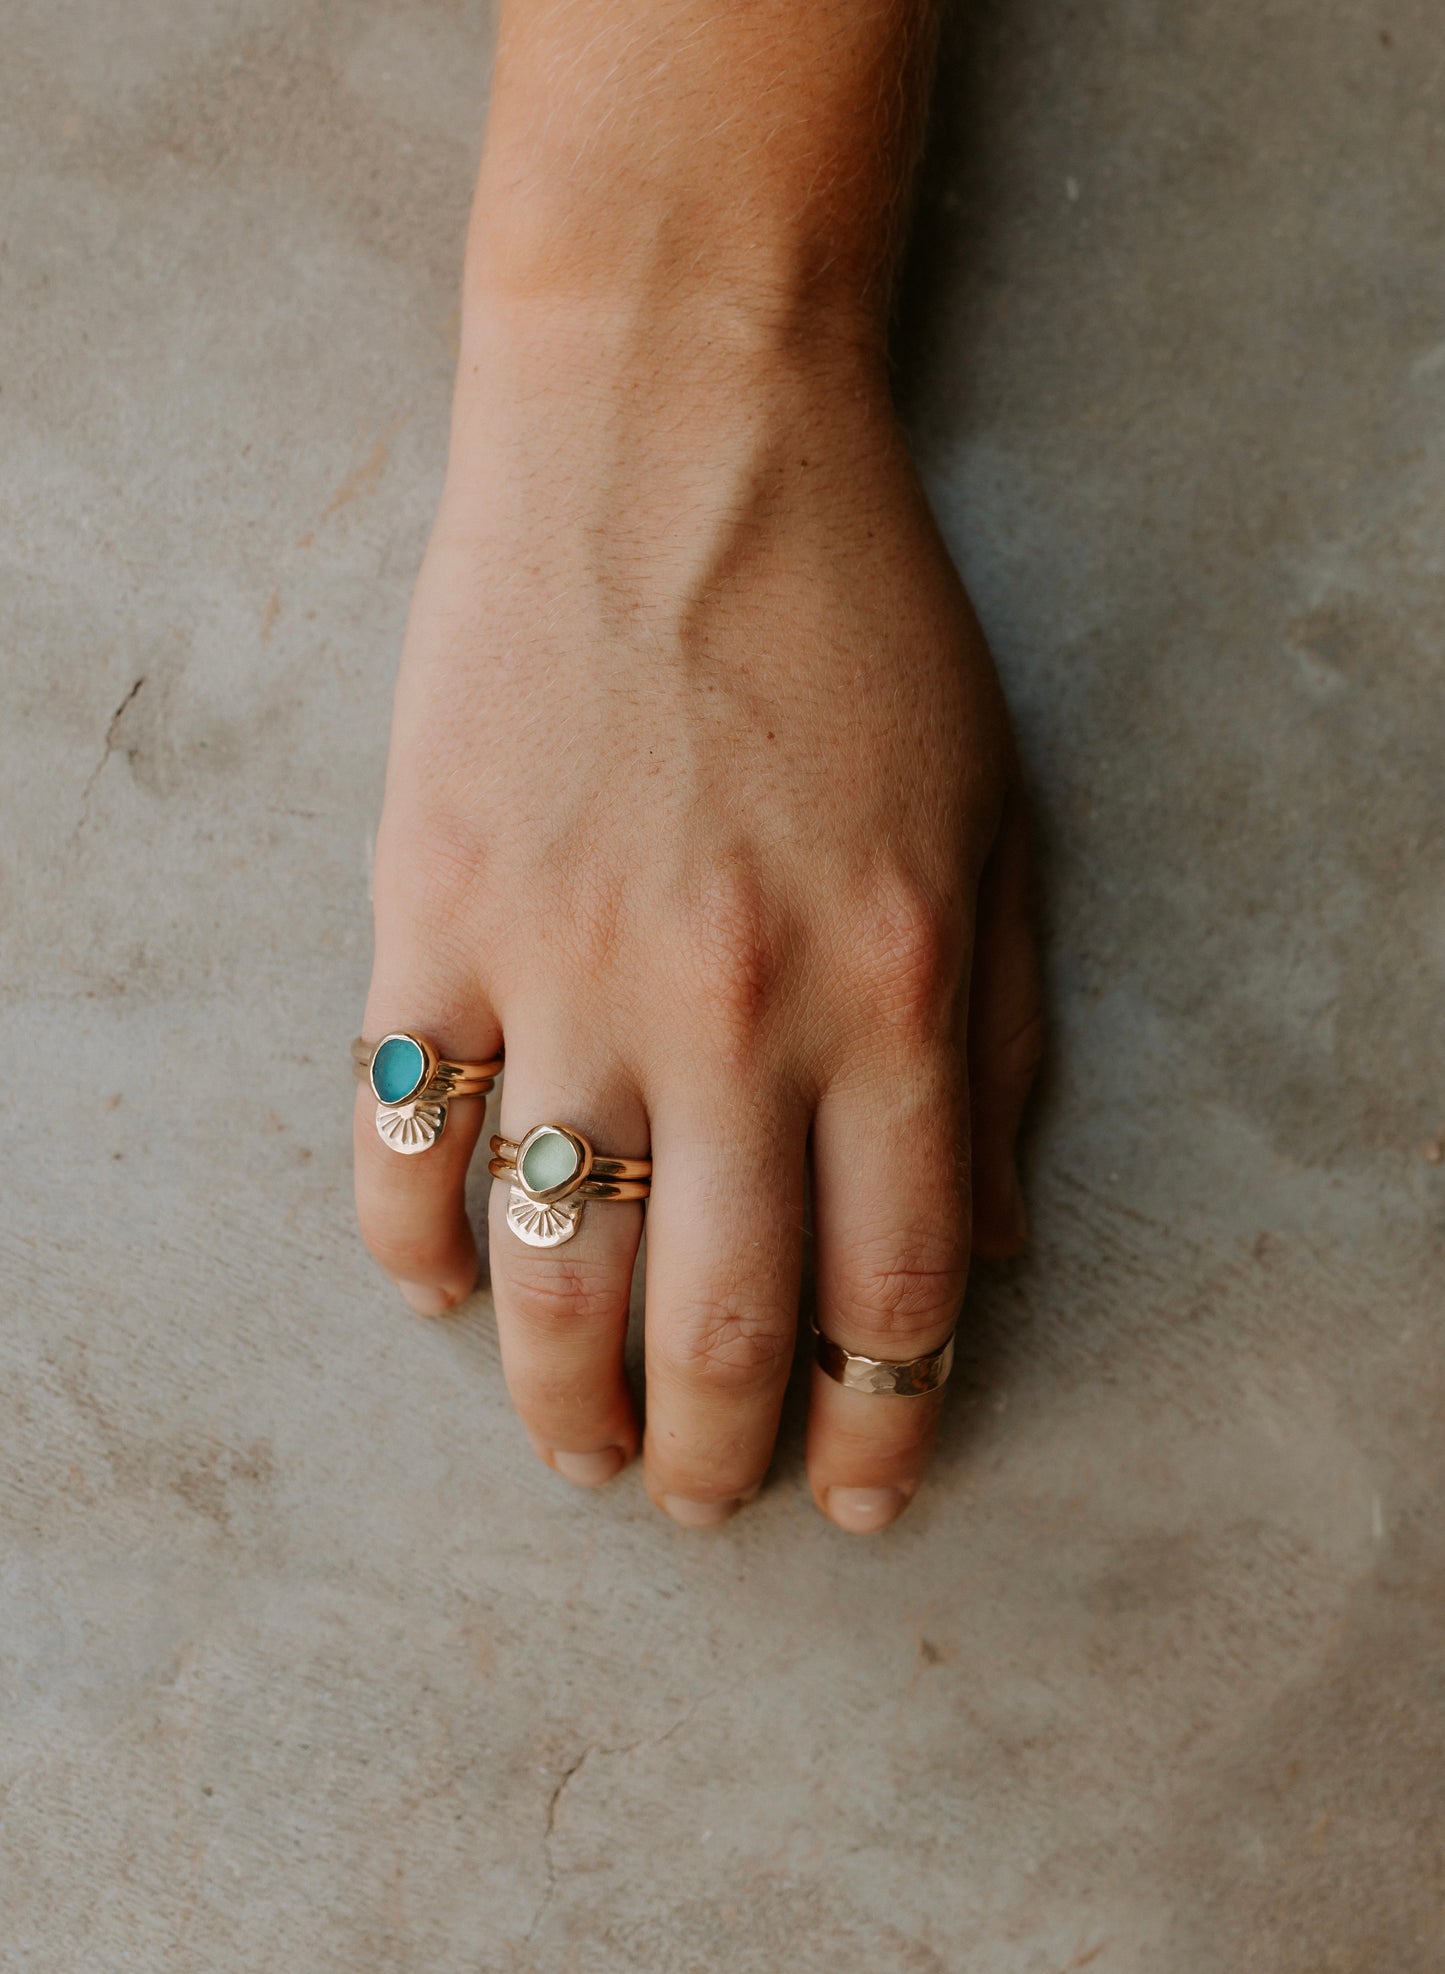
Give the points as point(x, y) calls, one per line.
point(701, 796)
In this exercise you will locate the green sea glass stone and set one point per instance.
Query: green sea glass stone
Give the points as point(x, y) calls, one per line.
point(550, 1160)
point(397, 1069)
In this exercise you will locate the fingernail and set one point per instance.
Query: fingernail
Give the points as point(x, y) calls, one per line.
point(861, 1510)
point(699, 1514)
point(590, 1469)
point(426, 1298)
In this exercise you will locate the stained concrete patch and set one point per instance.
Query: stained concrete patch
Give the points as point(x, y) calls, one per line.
point(304, 1661)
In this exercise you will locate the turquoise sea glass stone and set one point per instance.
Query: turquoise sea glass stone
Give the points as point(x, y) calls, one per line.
point(397, 1069)
point(549, 1161)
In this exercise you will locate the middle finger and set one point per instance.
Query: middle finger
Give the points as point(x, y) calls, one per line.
point(562, 1311)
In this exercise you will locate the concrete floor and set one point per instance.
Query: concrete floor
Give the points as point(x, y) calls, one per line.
point(305, 1663)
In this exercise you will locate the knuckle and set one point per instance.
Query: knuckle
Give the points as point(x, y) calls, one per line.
point(727, 1345)
point(907, 949)
point(594, 918)
point(407, 1257)
point(429, 873)
point(551, 1294)
point(732, 939)
point(906, 1288)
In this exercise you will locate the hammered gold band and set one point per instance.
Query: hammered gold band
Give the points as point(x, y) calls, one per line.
point(909, 1377)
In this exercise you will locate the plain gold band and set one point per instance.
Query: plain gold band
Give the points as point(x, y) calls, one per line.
point(591, 1188)
point(909, 1377)
point(506, 1150)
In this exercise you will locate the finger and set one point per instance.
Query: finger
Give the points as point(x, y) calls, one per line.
point(724, 1266)
point(412, 1207)
point(890, 1203)
point(1005, 1036)
point(562, 1311)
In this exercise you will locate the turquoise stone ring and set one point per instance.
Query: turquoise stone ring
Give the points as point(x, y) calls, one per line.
point(398, 1069)
point(413, 1085)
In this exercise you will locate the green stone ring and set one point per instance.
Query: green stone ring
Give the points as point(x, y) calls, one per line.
point(554, 1172)
point(413, 1085)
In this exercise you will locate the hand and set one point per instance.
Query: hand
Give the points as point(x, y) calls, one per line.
point(702, 800)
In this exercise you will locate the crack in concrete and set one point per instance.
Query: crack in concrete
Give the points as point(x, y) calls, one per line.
point(554, 1802)
point(564, 1782)
point(107, 749)
point(561, 1788)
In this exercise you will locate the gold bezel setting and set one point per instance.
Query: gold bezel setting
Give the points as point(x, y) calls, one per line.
point(564, 1188)
point(429, 1061)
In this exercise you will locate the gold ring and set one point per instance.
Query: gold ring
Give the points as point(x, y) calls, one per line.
point(554, 1172)
point(413, 1085)
point(909, 1377)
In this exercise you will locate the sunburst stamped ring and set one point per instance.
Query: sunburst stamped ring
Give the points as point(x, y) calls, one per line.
point(554, 1172)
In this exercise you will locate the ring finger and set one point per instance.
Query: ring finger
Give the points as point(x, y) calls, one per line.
point(891, 1200)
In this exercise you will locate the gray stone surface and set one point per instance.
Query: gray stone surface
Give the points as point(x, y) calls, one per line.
point(305, 1663)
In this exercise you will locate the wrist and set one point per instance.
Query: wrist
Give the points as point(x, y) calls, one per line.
point(665, 267)
point(602, 306)
point(659, 404)
point(658, 418)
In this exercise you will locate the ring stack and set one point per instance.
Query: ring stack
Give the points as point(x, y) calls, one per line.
point(554, 1172)
point(413, 1086)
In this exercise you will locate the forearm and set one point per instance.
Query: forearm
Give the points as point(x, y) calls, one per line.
point(751, 155)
